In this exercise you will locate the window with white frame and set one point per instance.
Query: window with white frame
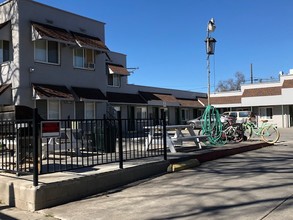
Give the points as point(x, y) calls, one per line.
point(53, 109)
point(47, 51)
point(89, 110)
point(114, 80)
point(141, 112)
point(83, 58)
point(266, 113)
point(4, 51)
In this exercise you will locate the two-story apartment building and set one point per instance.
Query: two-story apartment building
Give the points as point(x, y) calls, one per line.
point(59, 63)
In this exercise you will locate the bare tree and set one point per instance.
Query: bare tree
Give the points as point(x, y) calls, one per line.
point(231, 84)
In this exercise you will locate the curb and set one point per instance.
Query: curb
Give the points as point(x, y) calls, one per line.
point(183, 165)
point(220, 153)
point(196, 160)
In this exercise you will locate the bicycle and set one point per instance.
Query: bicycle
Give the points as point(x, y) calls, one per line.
point(268, 132)
point(232, 131)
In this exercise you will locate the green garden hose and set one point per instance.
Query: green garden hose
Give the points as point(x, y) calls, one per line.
point(212, 125)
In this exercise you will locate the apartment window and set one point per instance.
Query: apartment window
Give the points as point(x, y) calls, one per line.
point(4, 51)
point(266, 113)
point(89, 110)
point(83, 58)
point(114, 80)
point(141, 112)
point(53, 109)
point(184, 114)
point(162, 110)
point(47, 51)
point(117, 108)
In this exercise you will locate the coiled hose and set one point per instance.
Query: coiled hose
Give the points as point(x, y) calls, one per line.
point(212, 125)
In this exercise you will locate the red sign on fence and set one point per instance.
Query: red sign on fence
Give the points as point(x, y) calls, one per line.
point(50, 129)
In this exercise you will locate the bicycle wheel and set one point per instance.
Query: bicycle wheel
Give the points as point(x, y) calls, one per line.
point(238, 133)
point(247, 131)
point(224, 137)
point(270, 134)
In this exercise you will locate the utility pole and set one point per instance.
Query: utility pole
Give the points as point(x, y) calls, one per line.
point(251, 74)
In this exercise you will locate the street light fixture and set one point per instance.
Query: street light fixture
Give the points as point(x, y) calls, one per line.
point(210, 50)
point(210, 45)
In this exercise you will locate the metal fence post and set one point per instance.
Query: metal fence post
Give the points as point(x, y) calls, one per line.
point(35, 147)
point(17, 149)
point(120, 140)
point(164, 135)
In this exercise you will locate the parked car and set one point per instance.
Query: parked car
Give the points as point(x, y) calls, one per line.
point(196, 122)
point(241, 116)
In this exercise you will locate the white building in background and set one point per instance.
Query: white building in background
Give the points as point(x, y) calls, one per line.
point(272, 101)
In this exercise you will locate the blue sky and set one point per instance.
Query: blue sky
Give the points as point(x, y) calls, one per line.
point(165, 38)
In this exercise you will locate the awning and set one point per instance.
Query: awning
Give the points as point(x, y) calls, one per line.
point(125, 98)
point(117, 69)
point(48, 32)
point(189, 103)
point(161, 99)
point(89, 42)
point(52, 91)
point(89, 93)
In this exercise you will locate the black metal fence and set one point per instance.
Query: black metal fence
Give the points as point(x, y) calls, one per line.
point(16, 152)
point(81, 143)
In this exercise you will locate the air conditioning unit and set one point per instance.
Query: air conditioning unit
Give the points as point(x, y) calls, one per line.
point(91, 65)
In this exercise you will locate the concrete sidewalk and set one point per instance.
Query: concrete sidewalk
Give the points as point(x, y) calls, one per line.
point(252, 185)
point(134, 170)
point(62, 187)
